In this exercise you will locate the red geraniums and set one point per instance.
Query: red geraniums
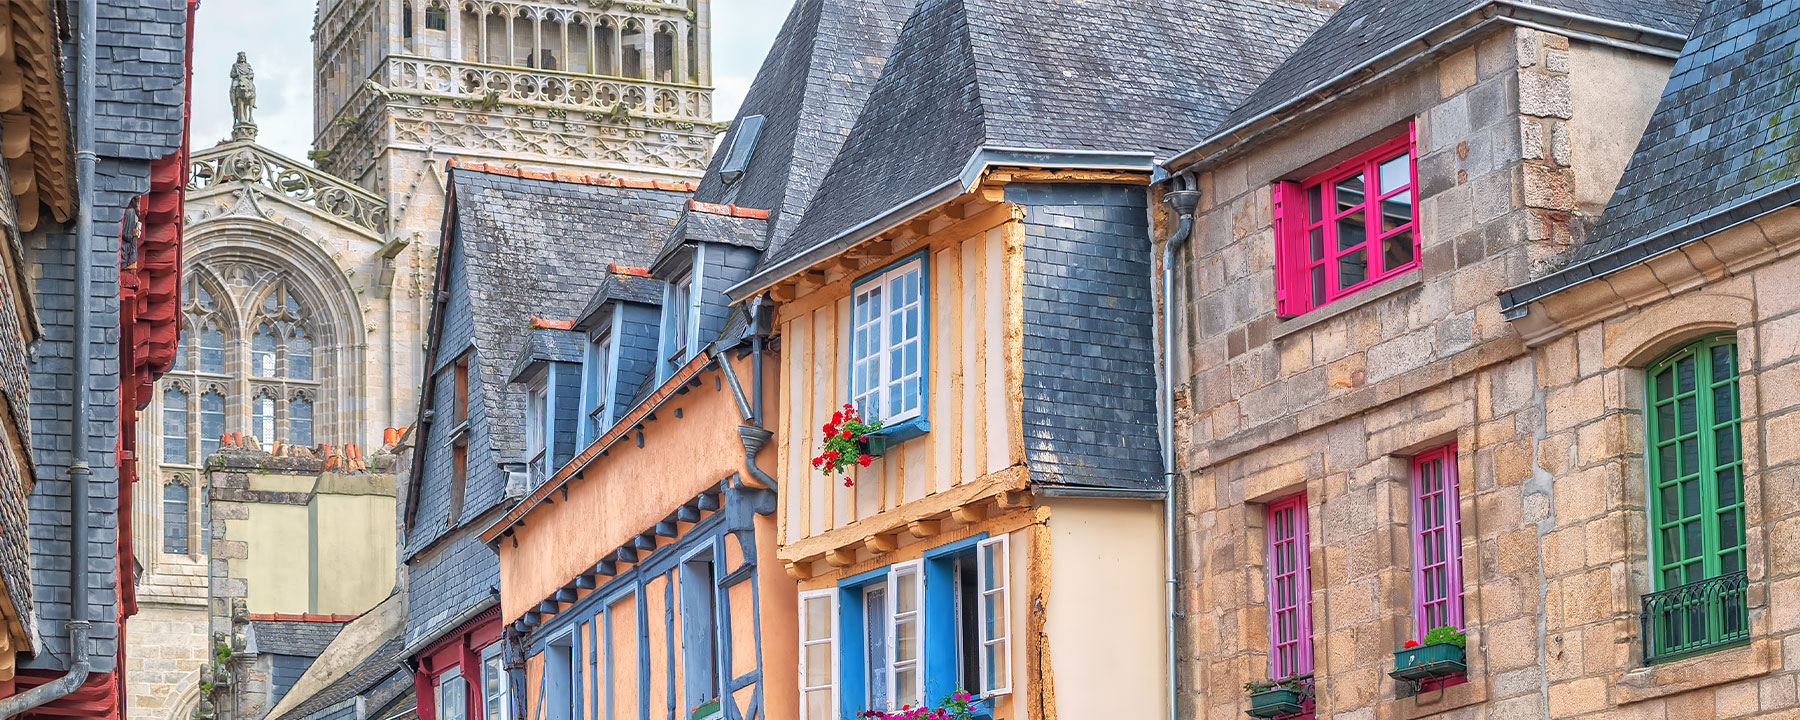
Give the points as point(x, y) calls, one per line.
point(1410, 644)
point(955, 706)
point(843, 442)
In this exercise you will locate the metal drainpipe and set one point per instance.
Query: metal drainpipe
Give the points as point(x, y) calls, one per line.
point(1182, 199)
point(755, 435)
point(79, 470)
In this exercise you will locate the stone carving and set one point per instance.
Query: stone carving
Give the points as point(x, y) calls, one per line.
point(271, 173)
point(243, 100)
point(587, 92)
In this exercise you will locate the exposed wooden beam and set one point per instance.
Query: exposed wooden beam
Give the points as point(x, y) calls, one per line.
point(882, 543)
point(924, 528)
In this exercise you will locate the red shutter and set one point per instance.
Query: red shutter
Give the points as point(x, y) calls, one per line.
point(1289, 296)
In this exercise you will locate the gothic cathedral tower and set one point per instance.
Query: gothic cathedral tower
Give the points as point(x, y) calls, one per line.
point(604, 87)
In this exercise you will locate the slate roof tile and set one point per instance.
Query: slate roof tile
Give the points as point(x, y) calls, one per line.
point(304, 639)
point(1146, 76)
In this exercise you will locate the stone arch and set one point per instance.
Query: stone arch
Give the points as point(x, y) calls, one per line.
point(1644, 337)
point(337, 329)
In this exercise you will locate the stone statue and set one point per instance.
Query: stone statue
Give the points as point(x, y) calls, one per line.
point(243, 99)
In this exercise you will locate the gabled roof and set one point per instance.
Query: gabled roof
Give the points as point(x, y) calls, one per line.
point(619, 287)
point(1722, 147)
point(547, 345)
point(1369, 38)
point(809, 90)
point(539, 247)
point(1142, 78)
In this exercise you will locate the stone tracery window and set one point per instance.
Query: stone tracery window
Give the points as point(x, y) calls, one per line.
point(300, 419)
point(175, 424)
point(262, 416)
point(212, 420)
point(175, 515)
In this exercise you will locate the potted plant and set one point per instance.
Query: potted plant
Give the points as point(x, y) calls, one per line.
point(709, 710)
point(1275, 698)
point(959, 705)
point(1439, 655)
point(847, 441)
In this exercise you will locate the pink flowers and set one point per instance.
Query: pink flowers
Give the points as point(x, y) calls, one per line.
point(955, 706)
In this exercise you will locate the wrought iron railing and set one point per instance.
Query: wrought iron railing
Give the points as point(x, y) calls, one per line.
point(1696, 617)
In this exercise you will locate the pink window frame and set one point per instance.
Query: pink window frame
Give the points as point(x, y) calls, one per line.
point(1293, 261)
point(1290, 643)
point(1439, 527)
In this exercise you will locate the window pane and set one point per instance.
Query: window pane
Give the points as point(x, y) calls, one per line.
point(818, 665)
point(262, 352)
point(1315, 243)
point(1351, 230)
point(212, 348)
point(1396, 211)
point(175, 519)
point(262, 419)
point(300, 355)
point(1396, 250)
point(300, 421)
point(212, 422)
point(1395, 173)
point(875, 640)
point(1313, 212)
point(1348, 192)
point(175, 426)
point(1352, 268)
point(1317, 279)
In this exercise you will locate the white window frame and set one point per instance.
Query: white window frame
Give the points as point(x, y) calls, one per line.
point(1002, 685)
point(563, 708)
point(599, 377)
point(902, 578)
point(678, 319)
point(537, 410)
point(445, 679)
point(829, 596)
point(871, 349)
point(491, 661)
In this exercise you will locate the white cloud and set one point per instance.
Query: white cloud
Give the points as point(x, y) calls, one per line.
point(277, 36)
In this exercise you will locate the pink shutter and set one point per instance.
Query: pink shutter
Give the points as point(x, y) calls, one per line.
point(1437, 542)
point(1283, 251)
point(1290, 589)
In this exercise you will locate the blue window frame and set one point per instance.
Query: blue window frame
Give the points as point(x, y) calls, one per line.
point(912, 633)
point(890, 346)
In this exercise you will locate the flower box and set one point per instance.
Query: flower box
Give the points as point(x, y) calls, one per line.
point(874, 445)
point(1431, 660)
point(709, 710)
point(1276, 702)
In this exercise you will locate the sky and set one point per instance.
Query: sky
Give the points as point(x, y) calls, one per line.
point(277, 36)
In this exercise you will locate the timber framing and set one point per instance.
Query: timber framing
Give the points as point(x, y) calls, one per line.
point(925, 519)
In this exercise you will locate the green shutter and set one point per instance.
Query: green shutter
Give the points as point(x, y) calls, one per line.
point(1694, 464)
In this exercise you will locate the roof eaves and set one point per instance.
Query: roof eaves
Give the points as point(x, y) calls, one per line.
point(977, 166)
point(1513, 300)
point(1450, 34)
point(637, 417)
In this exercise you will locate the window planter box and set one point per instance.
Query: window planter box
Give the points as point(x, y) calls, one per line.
point(709, 710)
point(1429, 661)
point(1276, 702)
point(873, 444)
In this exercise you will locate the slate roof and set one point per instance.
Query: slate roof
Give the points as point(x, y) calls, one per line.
point(542, 247)
point(1141, 77)
point(698, 226)
point(547, 345)
point(817, 75)
point(617, 286)
point(1365, 30)
point(380, 675)
point(299, 638)
point(1722, 147)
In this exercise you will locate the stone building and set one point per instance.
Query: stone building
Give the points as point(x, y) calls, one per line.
point(1372, 446)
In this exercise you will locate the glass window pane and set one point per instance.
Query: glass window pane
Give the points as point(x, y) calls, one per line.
point(1396, 251)
point(1315, 243)
point(1395, 173)
point(300, 421)
point(300, 355)
point(1396, 211)
point(1348, 192)
point(1317, 280)
point(1313, 211)
point(1352, 230)
point(212, 422)
point(212, 348)
point(1352, 268)
point(175, 426)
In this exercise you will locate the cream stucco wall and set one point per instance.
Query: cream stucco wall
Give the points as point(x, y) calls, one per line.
point(1105, 613)
point(334, 554)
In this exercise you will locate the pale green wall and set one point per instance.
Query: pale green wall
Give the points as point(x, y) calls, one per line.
point(333, 555)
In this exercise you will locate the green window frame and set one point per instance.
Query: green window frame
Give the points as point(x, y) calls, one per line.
point(1694, 465)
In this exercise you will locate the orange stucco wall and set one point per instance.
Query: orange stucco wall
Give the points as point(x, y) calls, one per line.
point(630, 489)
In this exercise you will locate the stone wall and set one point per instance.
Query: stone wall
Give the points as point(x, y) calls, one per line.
point(1334, 403)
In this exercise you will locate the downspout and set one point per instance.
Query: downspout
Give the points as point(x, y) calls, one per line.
point(79, 471)
point(1182, 198)
point(754, 434)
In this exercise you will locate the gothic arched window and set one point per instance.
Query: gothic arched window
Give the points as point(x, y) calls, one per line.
point(262, 351)
point(175, 425)
point(175, 516)
point(262, 417)
point(436, 17)
point(212, 421)
point(300, 420)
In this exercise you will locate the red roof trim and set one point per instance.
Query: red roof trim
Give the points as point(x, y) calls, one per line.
point(540, 323)
point(727, 210)
point(618, 269)
point(301, 617)
point(575, 177)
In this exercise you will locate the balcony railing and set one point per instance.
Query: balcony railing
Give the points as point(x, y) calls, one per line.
point(1695, 618)
point(592, 93)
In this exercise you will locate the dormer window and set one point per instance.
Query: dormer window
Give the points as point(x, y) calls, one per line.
point(537, 421)
point(600, 390)
point(675, 322)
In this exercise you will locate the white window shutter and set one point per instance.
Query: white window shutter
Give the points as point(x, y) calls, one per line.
point(818, 655)
point(995, 619)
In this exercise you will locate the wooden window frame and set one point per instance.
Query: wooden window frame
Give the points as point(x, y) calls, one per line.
point(1436, 540)
point(871, 357)
point(829, 596)
point(1295, 522)
point(1297, 291)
